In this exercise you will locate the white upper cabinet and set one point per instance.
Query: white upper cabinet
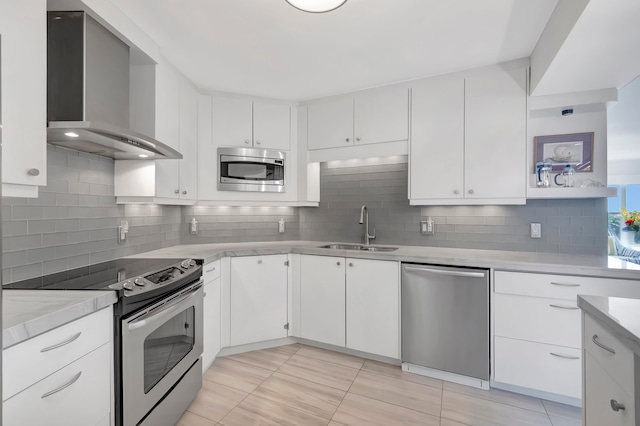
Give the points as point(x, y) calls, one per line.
point(241, 122)
point(24, 97)
point(176, 124)
point(381, 117)
point(368, 118)
point(468, 139)
point(437, 139)
point(330, 124)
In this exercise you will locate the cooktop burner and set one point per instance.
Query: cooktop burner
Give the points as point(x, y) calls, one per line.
point(96, 277)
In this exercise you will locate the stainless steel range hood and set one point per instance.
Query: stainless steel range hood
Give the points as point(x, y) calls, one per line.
point(88, 91)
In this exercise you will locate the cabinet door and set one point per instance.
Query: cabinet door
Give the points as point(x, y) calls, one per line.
point(167, 129)
point(207, 151)
point(373, 318)
point(600, 390)
point(188, 141)
point(382, 117)
point(24, 94)
point(330, 124)
point(232, 122)
point(271, 126)
point(437, 139)
point(211, 326)
point(258, 298)
point(495, 135)
point(322, 299)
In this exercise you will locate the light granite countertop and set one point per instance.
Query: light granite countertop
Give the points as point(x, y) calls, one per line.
point(597, 266)
point(28, 313)
point(619, 315)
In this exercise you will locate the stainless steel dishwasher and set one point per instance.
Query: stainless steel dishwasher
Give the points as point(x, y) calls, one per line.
point(445, 323)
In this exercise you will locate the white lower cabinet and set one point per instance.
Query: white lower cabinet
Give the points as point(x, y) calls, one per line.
point(351, 303)
point(258, 298)
point(322, 299)
point(609, 378)
point(537, 325)
point(62, 377)
point(211, 318)
point(373, 310)
point(79, 394)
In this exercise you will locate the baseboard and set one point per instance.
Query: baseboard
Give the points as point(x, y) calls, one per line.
point(562, 399)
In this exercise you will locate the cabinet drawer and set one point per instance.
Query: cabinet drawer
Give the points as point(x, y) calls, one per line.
point(85, 402)
point(600, 391)
point(30, 361)
point(211, 271)
point(618, 364)
point(532, 365)
point(562, 286)
point(551, 321)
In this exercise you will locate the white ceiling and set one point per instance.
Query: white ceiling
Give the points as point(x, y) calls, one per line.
point(268, 48)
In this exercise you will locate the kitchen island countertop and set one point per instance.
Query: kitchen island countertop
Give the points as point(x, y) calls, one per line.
point(28, 313)
point(596, 266)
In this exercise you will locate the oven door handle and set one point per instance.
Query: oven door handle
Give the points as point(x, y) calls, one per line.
point(160, 314)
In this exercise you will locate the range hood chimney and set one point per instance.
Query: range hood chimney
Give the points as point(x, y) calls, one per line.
point(88, 91)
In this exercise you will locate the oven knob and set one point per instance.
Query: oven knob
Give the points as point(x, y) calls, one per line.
point(192, 263)
point(127, 285)
point(139, 282)
point(185, 264)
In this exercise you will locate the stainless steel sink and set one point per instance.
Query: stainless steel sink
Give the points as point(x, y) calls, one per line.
point(359, 247)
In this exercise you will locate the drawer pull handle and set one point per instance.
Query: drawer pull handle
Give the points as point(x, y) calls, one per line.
point(571, 308)
point(212, 269)
point(565, 284)
point(616, 406)
point(564, 356)
point(66, 385)
point(66, 342)
point(595, 340)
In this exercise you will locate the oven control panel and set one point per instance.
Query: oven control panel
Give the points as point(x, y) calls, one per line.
point(159, 278)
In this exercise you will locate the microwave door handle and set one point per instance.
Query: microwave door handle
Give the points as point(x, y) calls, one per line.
point(163, 313)
point(234, 159)
point(250, 181)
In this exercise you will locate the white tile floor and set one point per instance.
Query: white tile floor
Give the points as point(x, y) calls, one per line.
point(303, 385)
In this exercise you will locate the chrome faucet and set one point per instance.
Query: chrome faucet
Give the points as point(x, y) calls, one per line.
point(364, 218)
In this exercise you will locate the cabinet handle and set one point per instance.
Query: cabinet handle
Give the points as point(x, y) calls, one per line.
point(204, 294)
point(616, 406)
point(257, 142)
point(595, 340)
point(33, 172)
point(571, 308)
point(470, 191)
point(564, 356)
point(212, 269)
point(358, 139)
point(338, 263)
point(350, 264)
point(247, 141)
point(564, 284)
point(184, 192)
point(260, 262)
point(455, 191)
point(177, 191)
point(347, 140)
point(66, 385)
point(65, 342)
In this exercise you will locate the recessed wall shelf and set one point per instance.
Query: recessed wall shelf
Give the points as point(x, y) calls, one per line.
point(602, 192)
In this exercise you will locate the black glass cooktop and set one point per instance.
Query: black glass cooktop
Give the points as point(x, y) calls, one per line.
point(94, 277)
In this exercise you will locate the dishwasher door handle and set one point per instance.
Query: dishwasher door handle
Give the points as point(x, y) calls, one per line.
point(444, 272)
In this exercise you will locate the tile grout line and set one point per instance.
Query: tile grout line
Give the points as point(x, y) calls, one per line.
point(347, 392)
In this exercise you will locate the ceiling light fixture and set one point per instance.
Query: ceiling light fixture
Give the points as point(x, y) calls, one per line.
point(316, 6)
point(72, 135)
point(143, 155)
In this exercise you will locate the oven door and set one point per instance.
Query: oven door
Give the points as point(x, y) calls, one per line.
point(159, 344)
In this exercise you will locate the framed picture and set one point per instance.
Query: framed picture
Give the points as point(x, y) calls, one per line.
point(559, 150)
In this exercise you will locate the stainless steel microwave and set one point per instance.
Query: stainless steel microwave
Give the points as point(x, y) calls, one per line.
point(249, 169)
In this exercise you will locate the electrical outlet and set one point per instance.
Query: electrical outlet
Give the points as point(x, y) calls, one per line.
point(281, 226)
point(427, 226)
point(536, 230)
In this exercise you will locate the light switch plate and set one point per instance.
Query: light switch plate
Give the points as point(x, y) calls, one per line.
point(536, 230)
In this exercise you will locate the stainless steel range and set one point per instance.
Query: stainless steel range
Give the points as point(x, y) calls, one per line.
point(158, 332)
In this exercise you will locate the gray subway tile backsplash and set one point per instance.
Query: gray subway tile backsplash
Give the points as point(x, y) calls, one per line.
point(73, 222)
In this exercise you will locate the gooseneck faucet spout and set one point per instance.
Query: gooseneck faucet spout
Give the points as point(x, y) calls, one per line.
point(364, 218)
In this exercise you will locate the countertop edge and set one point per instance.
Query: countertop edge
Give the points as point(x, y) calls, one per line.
point(39, 324)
